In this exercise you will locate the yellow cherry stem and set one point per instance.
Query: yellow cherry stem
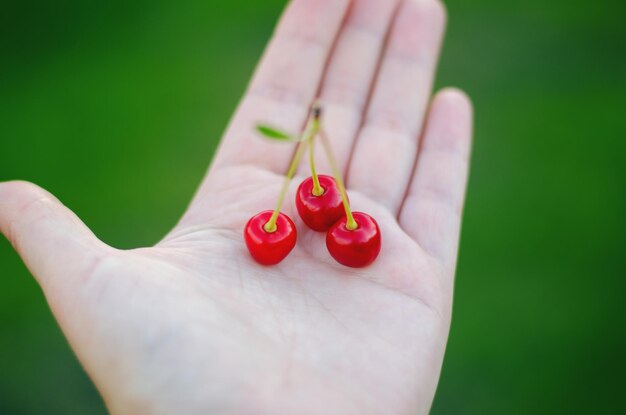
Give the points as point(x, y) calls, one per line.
point(350, 223)
point(317, 188)
point(310, 131)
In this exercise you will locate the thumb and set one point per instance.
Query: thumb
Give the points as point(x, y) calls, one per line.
point(54, 244)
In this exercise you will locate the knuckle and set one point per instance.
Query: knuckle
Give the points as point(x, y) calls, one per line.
point(390, 121)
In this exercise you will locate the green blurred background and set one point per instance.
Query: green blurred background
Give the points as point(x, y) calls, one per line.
point(116, 107)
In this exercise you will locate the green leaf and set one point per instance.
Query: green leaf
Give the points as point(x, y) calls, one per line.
point(274, 133)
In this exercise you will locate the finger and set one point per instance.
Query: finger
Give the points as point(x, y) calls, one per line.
point(284, 84)
point(351, 70)
point(385, 150)
point(54, 244)
point(431, 213)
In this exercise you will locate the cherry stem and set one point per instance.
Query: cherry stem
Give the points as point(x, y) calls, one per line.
point(310, 131)
point(317, 188)
point(350, 223)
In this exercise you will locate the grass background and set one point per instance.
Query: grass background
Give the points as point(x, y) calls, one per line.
point(116, 107)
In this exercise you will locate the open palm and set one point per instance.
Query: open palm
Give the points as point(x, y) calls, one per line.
point(193, 325)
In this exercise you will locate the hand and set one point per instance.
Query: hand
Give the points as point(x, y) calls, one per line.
point(193, 325)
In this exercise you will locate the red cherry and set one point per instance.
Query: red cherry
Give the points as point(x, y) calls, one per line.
point(357, 248)
point(269, 248)
point(319, 212)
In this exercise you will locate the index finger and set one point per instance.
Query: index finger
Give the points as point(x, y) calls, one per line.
point(285, 83)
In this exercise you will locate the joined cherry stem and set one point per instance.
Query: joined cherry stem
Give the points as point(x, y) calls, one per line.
point(311, 130)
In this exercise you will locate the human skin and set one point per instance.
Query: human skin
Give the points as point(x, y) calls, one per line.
point(193, 325)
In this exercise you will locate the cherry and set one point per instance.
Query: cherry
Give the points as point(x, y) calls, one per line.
point(271, 235)
point(269, 248)
point(354, 248)
point(353, 238)
point(319, 211)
